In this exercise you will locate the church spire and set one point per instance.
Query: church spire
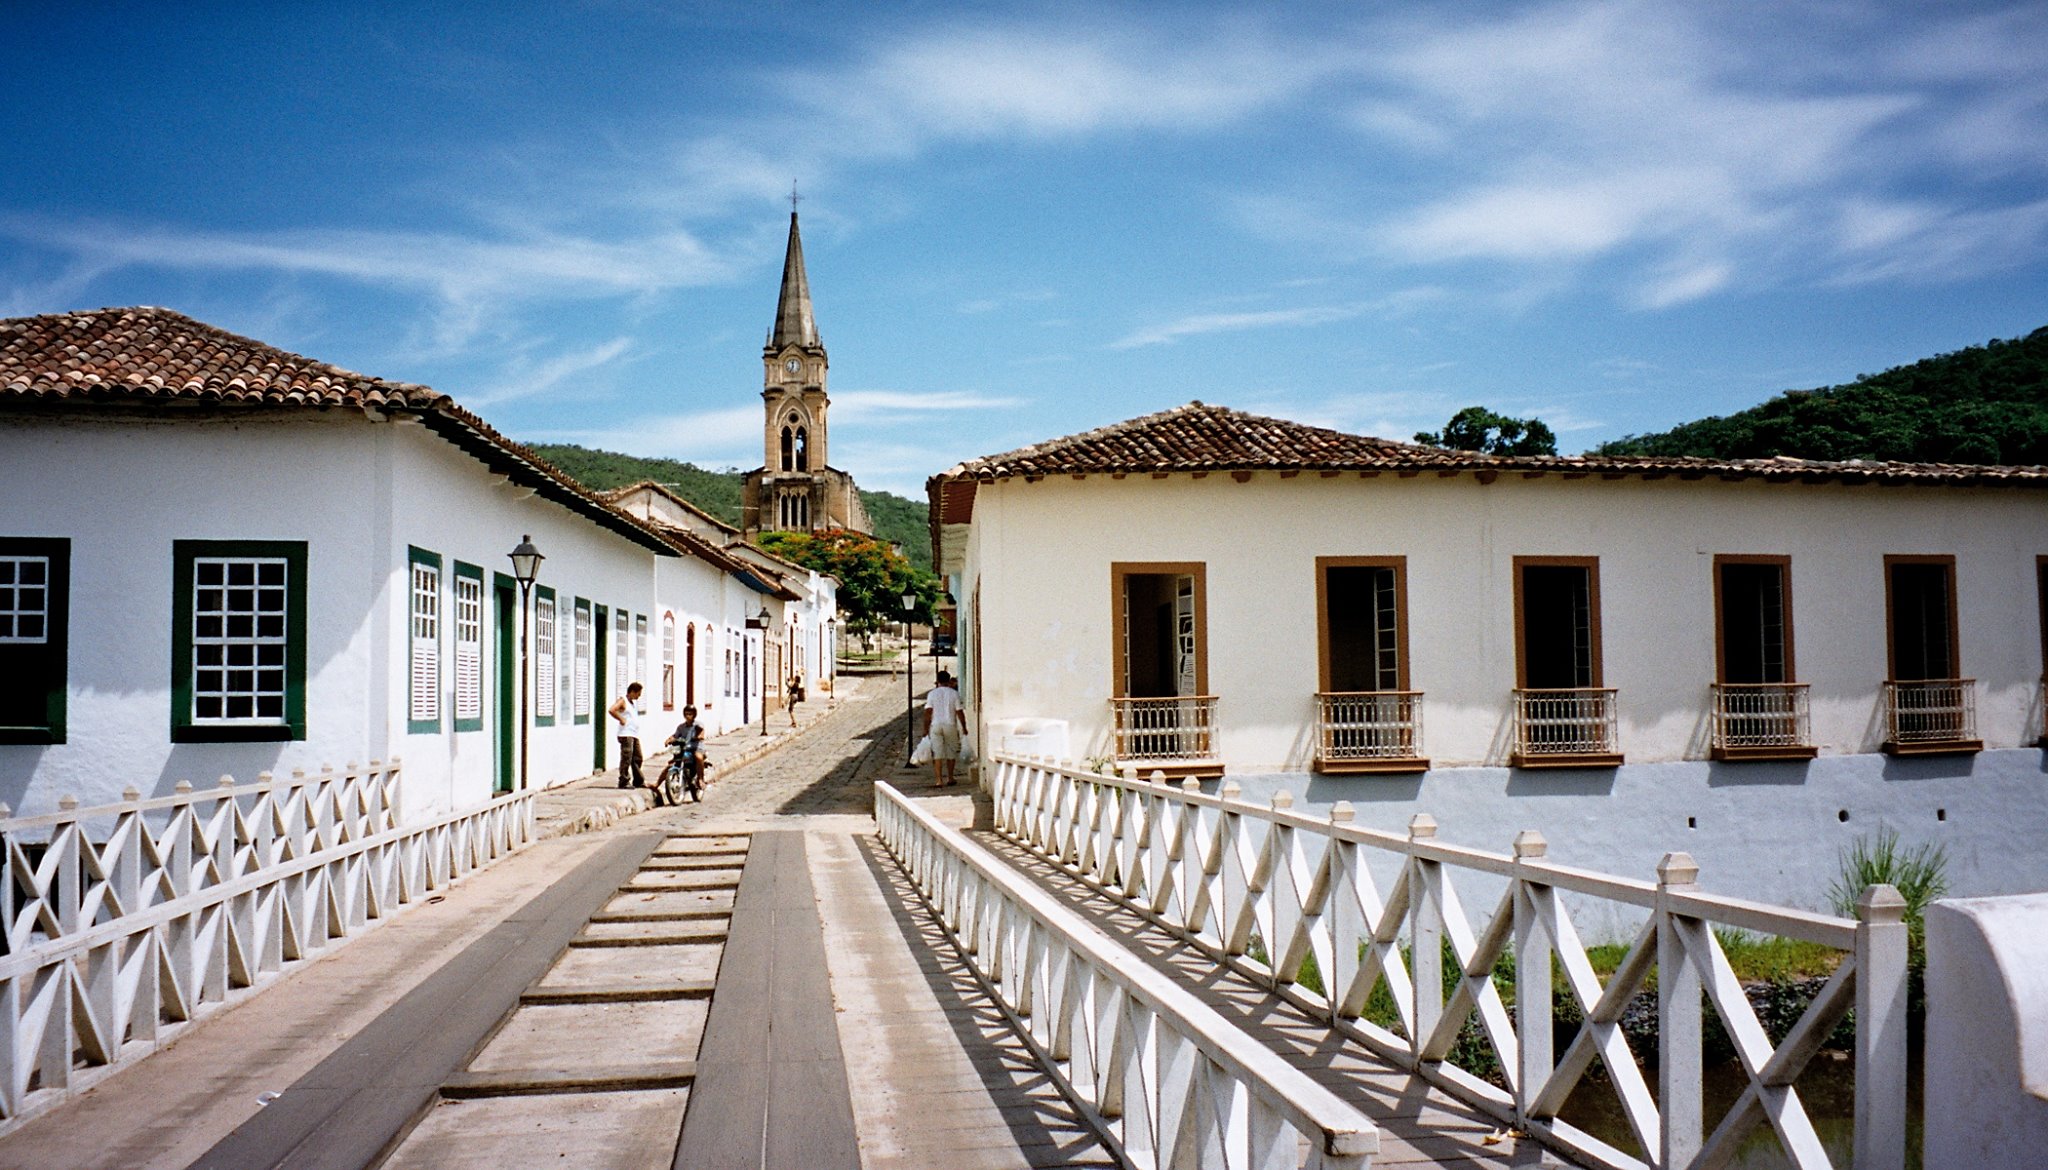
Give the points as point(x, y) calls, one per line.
point(794, 324)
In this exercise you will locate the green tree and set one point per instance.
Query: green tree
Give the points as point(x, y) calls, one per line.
point(1982, 404)
point(873, 576)
point(1476, 428)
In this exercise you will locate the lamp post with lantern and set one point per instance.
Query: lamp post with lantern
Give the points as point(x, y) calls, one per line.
point(526, 561)
point(909, 681)
point(760, 622)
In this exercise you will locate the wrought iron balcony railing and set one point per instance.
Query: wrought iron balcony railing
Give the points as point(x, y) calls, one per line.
point(1369, 731)
point(1931, 715)
point(1565, 727)
point(1761, 721)
point(1176, 728)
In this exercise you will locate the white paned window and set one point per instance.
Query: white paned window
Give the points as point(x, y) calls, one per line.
point(469, 648)
point(640, 647)
point(582, 691)
point(239, 639)
point(565, 657)
point(424, 686)
point(24, 600)
point(622, 646)
point(668, 661)
point(544, 659)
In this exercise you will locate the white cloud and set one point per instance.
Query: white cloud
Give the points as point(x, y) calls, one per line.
point(867, 405)
point(469, 278)
point(969, 81)
point(1955, 245)
point(1682, 281)
point(1200, 323)
point(1704, 148)
point(527, 380)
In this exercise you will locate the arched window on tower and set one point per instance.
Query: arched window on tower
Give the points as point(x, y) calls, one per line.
point(788, 448)
point(803, 449)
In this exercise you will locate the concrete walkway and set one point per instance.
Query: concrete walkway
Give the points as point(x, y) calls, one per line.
point(328, 1064)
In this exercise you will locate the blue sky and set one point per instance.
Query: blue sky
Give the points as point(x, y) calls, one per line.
point(1027, 220)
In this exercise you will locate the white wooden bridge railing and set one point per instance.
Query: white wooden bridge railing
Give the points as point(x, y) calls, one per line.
point(121, 923)
point(1236, 878)
point(1170, 1081)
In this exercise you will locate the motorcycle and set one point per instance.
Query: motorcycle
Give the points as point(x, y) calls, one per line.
point(684, 774)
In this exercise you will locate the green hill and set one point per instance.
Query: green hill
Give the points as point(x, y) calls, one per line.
point(1984, 404)
point(718, 492)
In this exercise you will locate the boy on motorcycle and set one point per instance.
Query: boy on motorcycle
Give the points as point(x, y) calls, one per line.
point(688, 740)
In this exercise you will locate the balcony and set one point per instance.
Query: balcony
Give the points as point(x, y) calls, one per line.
point(1175, 735)
point(1369, 731)
point(1933, 716)
point(1761, 721)
point(1569, 727)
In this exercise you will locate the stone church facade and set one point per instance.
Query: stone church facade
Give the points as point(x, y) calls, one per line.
point(795, 489)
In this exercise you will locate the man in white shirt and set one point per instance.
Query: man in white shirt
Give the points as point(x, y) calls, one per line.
point(627, 710)
point(944, 722)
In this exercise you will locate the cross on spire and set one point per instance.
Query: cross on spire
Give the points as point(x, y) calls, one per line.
point(794, 198)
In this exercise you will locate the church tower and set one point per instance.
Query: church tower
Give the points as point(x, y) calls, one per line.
point(795, 489)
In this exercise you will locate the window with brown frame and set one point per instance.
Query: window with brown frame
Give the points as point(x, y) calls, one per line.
point(1557, 622)
point(1929, 707)
point(1363, 617)
point(1163, 712)
point(2041, 594)
point(1760, 711)
point(1921, 612)
point(1753, 619)
point(1367, 718)
point(1160, 640)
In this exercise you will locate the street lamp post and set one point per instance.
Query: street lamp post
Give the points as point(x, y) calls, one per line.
point(760, 622)
point(526, 561)
point(909, 682)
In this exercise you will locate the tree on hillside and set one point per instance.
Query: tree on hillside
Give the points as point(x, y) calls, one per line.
point(1983, 404)
point(895, 519)
point(873, 577)
point(1476, 428)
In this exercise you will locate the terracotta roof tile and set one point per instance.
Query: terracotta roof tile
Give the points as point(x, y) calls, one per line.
point(161, 354)
point(1200, 437)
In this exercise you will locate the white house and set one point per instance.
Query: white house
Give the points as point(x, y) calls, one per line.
point(218, 557)
point(807, 637)
point(1601, 649)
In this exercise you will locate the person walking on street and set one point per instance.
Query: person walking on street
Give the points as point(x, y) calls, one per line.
point(627, 710)
point(796, 695)
point(944, 722)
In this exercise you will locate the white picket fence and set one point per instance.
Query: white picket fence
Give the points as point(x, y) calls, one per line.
point(1168, 1080)
point(121, 924)
point(1237, 879)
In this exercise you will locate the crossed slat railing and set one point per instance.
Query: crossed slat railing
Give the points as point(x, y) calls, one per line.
point(1237, 879)
point(122, 922)
point(1167, 1079)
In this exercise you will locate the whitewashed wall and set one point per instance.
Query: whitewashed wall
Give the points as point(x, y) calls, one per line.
point(1987, 1033)
point(360, 494)
point(1041, 554)
point(123, 492)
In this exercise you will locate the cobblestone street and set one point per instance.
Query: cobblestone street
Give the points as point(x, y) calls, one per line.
point(827, 771)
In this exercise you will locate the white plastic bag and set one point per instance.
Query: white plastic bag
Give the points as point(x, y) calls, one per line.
point(922, 753)
point(966, 749)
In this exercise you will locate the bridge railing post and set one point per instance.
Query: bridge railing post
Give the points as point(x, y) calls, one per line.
point(1880, 1029)
point(1532, 977)
point(1426, 934)
point(1679, 1021)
